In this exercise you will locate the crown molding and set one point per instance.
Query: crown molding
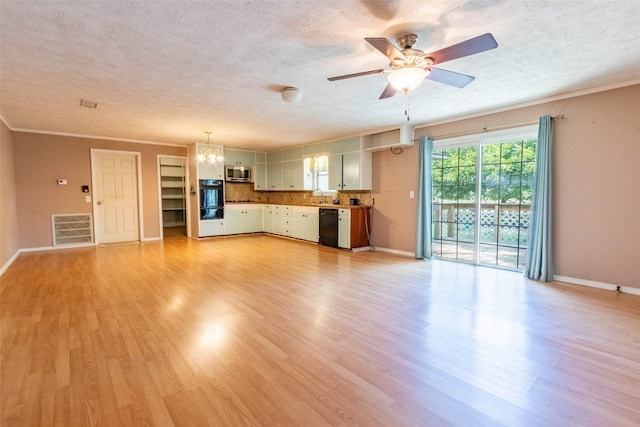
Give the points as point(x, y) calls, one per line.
point(531, 103)
point(105, 138)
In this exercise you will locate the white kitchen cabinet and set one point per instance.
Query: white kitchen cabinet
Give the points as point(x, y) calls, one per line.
point(239, 157)
point(350, 171)
point(210, 170)
point(344, 228)
point(273, 219)
point(293, 175)
point(267, 218)
point(287, 220)
point(345, 145)
point(274, 156)
point(243, 219)
point(292, 154)
point(354, 226)
point(211, 227)
point(277, 220)
point(306, 223)
point(260, 177)
point(316, 149)
point(274, 176)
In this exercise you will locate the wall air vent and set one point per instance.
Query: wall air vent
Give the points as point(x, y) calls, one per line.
point(73, 229)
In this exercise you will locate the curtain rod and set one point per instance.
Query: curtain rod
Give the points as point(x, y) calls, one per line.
point(494, 128)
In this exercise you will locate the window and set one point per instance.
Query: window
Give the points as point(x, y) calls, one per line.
point(482, 200)
point(316, 173)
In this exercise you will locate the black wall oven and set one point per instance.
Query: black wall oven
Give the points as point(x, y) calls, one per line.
point(211, 199)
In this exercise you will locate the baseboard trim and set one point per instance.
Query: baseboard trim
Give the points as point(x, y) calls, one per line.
point(393, 251)
point(599, 285)
point(9, 262)
point(57, 248)
point(151, 239)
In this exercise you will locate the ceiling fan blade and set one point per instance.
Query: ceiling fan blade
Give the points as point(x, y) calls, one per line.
point(465, 48)
point(385, 46)
point(388, 92)
point(449, 77)
point(362, 73)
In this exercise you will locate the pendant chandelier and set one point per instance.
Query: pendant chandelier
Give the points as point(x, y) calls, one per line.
point(208, 152)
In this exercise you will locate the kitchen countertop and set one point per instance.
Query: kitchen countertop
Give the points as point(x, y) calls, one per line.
point(316, 205)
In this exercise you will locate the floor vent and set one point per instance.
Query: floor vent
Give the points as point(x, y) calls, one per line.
point(72, 229)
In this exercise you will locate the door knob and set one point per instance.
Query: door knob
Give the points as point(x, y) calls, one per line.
point(99, 202)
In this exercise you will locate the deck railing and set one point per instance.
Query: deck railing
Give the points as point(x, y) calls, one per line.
point(504, 224)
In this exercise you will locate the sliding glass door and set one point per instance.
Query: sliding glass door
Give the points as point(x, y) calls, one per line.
point(482, 202)
point(454, 192)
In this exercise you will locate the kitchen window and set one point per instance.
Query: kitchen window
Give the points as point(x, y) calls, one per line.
point(316, 173)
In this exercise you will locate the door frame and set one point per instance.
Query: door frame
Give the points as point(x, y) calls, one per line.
point(137, 155)
point(187, 187)
point(479, 140)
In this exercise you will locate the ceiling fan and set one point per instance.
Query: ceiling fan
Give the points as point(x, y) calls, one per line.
point(409, 66)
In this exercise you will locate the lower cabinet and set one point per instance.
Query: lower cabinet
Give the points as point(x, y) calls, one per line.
point(243, 219)
point(306, 223)
point(354, 226)
point(267, 219)
point(287, 220)
point(211, 227)
point(300, 222)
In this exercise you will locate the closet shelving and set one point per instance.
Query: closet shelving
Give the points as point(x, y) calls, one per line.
point(173, 191)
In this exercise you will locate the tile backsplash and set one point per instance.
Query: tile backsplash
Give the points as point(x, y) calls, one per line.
point(236, 191)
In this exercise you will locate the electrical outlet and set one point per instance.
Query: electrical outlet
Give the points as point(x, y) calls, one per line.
point(87, 199)
point(412, 194)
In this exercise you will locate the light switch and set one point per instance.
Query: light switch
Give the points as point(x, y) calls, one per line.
point(62, 182)
point(412, 194)
point(87, 199)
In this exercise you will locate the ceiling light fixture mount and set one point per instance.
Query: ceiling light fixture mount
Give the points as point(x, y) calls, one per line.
point(208, 152)
point(291, 94)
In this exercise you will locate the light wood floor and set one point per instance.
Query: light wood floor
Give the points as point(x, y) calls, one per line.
point(263, 331)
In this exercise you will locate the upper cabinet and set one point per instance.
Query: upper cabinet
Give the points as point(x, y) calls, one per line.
point(274, 176)
point(293, 175)
point(210, 170)
point(349, 166)
point(346, 145)
point(239, 157)
point(274, 157)
point(260, 177)
point(284, 170)
point(292, 154)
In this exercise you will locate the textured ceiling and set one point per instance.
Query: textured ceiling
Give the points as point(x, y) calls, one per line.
point(166, 71)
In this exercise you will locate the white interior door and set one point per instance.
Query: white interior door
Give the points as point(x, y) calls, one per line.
point(116, 196)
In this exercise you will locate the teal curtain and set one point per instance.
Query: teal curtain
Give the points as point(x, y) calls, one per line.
point(423, 237)
point(539, 248)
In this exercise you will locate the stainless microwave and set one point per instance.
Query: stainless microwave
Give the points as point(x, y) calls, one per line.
point(235, 173)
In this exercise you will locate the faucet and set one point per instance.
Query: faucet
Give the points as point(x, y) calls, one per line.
point(322, 199)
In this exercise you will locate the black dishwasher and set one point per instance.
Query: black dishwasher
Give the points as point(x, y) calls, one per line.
point(329, 227)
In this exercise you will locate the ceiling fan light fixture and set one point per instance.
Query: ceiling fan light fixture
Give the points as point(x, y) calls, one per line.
point(406, 79)
point(291, 94)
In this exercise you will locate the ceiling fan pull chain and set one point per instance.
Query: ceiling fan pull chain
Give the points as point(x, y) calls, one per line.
point(406, 104)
